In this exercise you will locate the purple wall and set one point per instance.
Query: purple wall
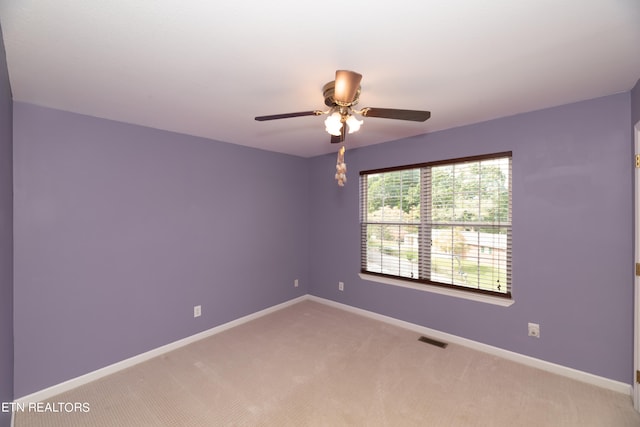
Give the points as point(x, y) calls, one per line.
point(635, 104)
point(120, 230)
point(572, 235)
point(6, 237)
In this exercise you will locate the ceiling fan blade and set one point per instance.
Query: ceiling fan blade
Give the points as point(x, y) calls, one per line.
point(392, 113)
point(288, 115)
point(346, 86)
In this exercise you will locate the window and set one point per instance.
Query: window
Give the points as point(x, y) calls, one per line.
point(445, 223)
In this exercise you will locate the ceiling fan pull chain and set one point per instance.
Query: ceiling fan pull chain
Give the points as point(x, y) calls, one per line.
point(341, 168)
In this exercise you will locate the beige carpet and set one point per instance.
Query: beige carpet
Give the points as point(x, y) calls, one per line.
point(315, 365)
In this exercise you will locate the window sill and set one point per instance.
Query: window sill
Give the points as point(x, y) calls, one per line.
point(439, 290)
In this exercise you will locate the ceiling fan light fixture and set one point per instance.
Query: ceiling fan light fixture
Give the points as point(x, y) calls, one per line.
point(333, 124)
point(354, 124)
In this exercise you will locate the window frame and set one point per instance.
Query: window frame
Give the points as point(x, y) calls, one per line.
point(495, 297)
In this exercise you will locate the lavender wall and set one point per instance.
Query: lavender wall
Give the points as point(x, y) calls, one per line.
point(572, 238)
point(120, 230)
point(6, 237)
point(635, 103)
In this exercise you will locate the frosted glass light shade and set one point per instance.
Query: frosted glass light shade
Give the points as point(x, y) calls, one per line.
point(333, 124)
point(354, 124)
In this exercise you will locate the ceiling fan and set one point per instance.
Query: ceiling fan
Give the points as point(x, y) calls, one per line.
point(341, 95)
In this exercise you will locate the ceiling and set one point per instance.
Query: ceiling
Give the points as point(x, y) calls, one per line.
point(207, 68)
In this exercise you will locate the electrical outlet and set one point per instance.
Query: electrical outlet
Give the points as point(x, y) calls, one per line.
point(534, 330)
point(341, 286)
point(295, 283)
point(197, 310)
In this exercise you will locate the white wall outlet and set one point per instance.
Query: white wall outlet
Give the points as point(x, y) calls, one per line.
point(534, 330)
point(341, 286)
point(197, 310)
point(295, 283)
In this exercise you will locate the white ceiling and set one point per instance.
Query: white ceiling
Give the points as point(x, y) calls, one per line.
point(206, 67)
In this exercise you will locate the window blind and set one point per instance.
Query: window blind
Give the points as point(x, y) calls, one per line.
point(446, 223)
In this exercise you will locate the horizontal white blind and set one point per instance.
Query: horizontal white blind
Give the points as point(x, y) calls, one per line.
point(391, 223)
point(445, 223)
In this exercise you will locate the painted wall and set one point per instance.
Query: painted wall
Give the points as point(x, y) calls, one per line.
point(635, 103)
point(120, 230)
point(6, 237)
point(572, 235)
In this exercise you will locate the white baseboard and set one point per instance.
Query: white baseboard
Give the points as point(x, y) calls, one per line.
point(118, 366)
point(564, 371)
point(506, 354)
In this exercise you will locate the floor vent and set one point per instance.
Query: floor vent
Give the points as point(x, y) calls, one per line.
point(433, 342)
